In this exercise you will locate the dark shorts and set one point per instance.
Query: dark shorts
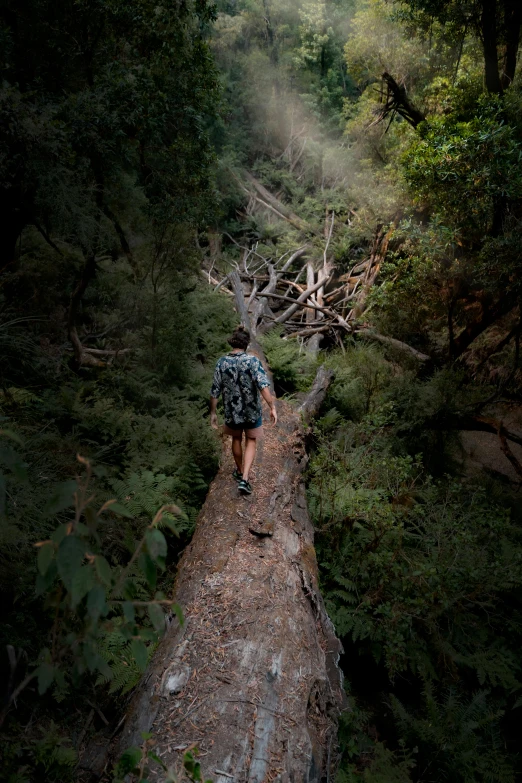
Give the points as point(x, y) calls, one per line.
point(252, 429)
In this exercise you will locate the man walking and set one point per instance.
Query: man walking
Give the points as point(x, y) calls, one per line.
point(240, 377)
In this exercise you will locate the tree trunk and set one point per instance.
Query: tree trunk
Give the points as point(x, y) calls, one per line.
point(512, 23)
point(252, 677)
point(12, 223)
point(488, 23)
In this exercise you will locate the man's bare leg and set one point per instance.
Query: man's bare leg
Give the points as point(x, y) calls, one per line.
point(250, 453)
point(237, 451)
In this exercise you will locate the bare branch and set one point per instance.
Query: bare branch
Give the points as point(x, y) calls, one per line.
point(297, 254)
point(308, 332)
point(381, 338)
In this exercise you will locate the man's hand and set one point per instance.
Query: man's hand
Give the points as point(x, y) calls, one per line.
point(213, 414)
point(270, 401)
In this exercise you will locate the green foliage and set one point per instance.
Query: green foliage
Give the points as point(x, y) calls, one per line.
point(293, 368)
point(462, 735)
point(138, 763)
point(462, 169)
point(120, 656)
point(101, 122)
point(98, 608)
point(410, 568)
point(48, 756)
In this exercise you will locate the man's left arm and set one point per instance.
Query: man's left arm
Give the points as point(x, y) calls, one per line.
point(263, 384)
point(270, 401)
point(214, 395)
point(213, 413)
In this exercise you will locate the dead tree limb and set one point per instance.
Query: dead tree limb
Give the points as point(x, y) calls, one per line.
point(267, 200)
point(83, 357)
point(369, 334)
point(302, 298)
point(504, 445)
point(309, 331)
point(470, 423)
point(397, 102)
point(317, 393)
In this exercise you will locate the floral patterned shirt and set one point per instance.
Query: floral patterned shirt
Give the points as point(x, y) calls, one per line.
point(239, 377)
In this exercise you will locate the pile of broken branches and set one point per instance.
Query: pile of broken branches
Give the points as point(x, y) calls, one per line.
point(301, 294)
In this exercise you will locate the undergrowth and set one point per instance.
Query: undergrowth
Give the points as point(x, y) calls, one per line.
point(421, 573)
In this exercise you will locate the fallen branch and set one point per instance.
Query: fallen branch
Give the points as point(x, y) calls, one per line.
point(309, 332)
point(504, 445)
point(381, 338)
point(397, 101)
point(278, 205)
point(266, 199)
point(315, 397)
point(304, 303)
point(469, 423)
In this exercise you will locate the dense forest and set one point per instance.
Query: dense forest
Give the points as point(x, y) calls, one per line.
point(151, 157)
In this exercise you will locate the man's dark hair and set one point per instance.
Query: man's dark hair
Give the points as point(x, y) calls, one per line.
point(240, 338)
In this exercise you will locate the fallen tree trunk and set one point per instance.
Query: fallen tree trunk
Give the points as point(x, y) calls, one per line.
point(252, 677)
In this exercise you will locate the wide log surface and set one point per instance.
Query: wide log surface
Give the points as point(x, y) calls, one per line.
point(251, 678)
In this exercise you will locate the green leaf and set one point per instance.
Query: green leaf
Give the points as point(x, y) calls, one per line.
point(156, 758)
point(171, 523)
point(156, 543)
point(96, 602)
point(12, 435)
point(120, 510)
point(59, 534)
point(128, 611)
point(129, 761)
point(103, 570)
point(139, 653)
point(45, 673)
point(157, 617)
point(69, 558)
point(82, 582)
point(62, 497)
point(149, 569)
point(43, 583)
point(45, 557)
point(192, 767)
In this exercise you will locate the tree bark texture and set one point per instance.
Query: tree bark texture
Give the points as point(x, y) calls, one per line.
point(512, 24)
point(252, 676)
point(489, 31)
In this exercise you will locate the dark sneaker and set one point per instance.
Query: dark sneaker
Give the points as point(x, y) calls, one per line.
point(237, 475)
point(244, 487)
